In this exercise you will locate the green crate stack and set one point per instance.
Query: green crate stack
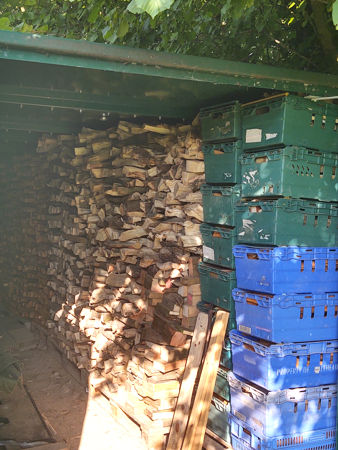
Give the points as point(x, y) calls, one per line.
point(289, 173)
point(221, 134)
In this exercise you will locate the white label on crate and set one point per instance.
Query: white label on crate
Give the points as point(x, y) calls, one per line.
point(208, 252)
point(240, 415)
point(270, 136)
point(317, 369)
point(245, 329)
point(253, 135)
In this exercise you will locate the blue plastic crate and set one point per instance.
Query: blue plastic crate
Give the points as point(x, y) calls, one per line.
point(289, 411)
point(277, 270)
point(287, 317)
point(244, 438)
point(284, 366)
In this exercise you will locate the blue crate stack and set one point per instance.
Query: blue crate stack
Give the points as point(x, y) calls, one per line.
point(285, 348)
point(221, 133)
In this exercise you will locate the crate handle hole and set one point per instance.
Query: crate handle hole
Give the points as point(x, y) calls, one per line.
point(218, 151)
point(329, 404)
point(262, 110)
point(335, 125)
point(325, 311)
point(295, 407)
point(313, 117)
point(213, 275)
point(328, 224)
point(321, 359)
point(305, 219)
point(312, 312)
point(271, 188)
point(249, 347)
point(217, 194)
point(333, 176)
point(319, 404)
point(313, 264)
point(216, 234)
point(308, 359)
point(301, 314)
point(297, 361)
point(246, 432)
point(336, 311)
point(323, 121)
point(336, 265)
point(316, 221)
point(251, 301)
point(255, 209)
point(331, 358)
point(302, 265)
point(261, 159)
point(252, 256)
point(321, 171)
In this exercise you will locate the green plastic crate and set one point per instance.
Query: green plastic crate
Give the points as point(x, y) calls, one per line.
point(290, 172)
point(290, 120)
point(219, 204)
point(221, 122)
point(222, 387)
point(287, 222)
point(221, 162)
point(217, 285)
point(217, 245)
point(226, 355)
point(218, 418)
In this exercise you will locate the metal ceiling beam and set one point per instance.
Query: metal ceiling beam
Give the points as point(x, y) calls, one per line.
point(39, 124)
point(68, 52)
point(81, 101)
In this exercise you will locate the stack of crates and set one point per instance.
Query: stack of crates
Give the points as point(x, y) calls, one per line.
point(221, 132)
point(285, 349)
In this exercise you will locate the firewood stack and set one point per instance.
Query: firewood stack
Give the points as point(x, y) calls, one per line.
point(123, 214)
point(23, 240)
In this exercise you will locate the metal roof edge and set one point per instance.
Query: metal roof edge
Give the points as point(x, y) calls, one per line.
point(49, 49)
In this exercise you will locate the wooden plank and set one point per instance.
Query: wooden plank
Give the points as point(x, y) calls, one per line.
point(181, 415)
point(199, 414)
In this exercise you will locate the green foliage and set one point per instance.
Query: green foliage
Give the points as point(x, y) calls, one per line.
point(152, 7)
point(276, 32)
point(335, 14)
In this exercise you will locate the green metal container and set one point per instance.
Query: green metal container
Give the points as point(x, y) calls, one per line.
point(221, 162)
point(218, 419)
point(221, 122)
point(219, 204)
point(290, 172)
point(226, 356)
point(217, 285)
point(290, 120)
point(217, 245)
point(287, 222)
point(222, 387)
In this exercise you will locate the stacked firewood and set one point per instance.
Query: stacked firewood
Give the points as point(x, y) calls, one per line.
point(115, 224)
point(23, 241)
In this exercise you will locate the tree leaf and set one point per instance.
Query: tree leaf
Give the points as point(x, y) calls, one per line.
point(134, 8)
point(152, 7)
point(123, 28)
point(5, 23)
point(335, 14)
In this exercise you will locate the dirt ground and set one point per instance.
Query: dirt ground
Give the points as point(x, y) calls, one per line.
point(49, 408)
